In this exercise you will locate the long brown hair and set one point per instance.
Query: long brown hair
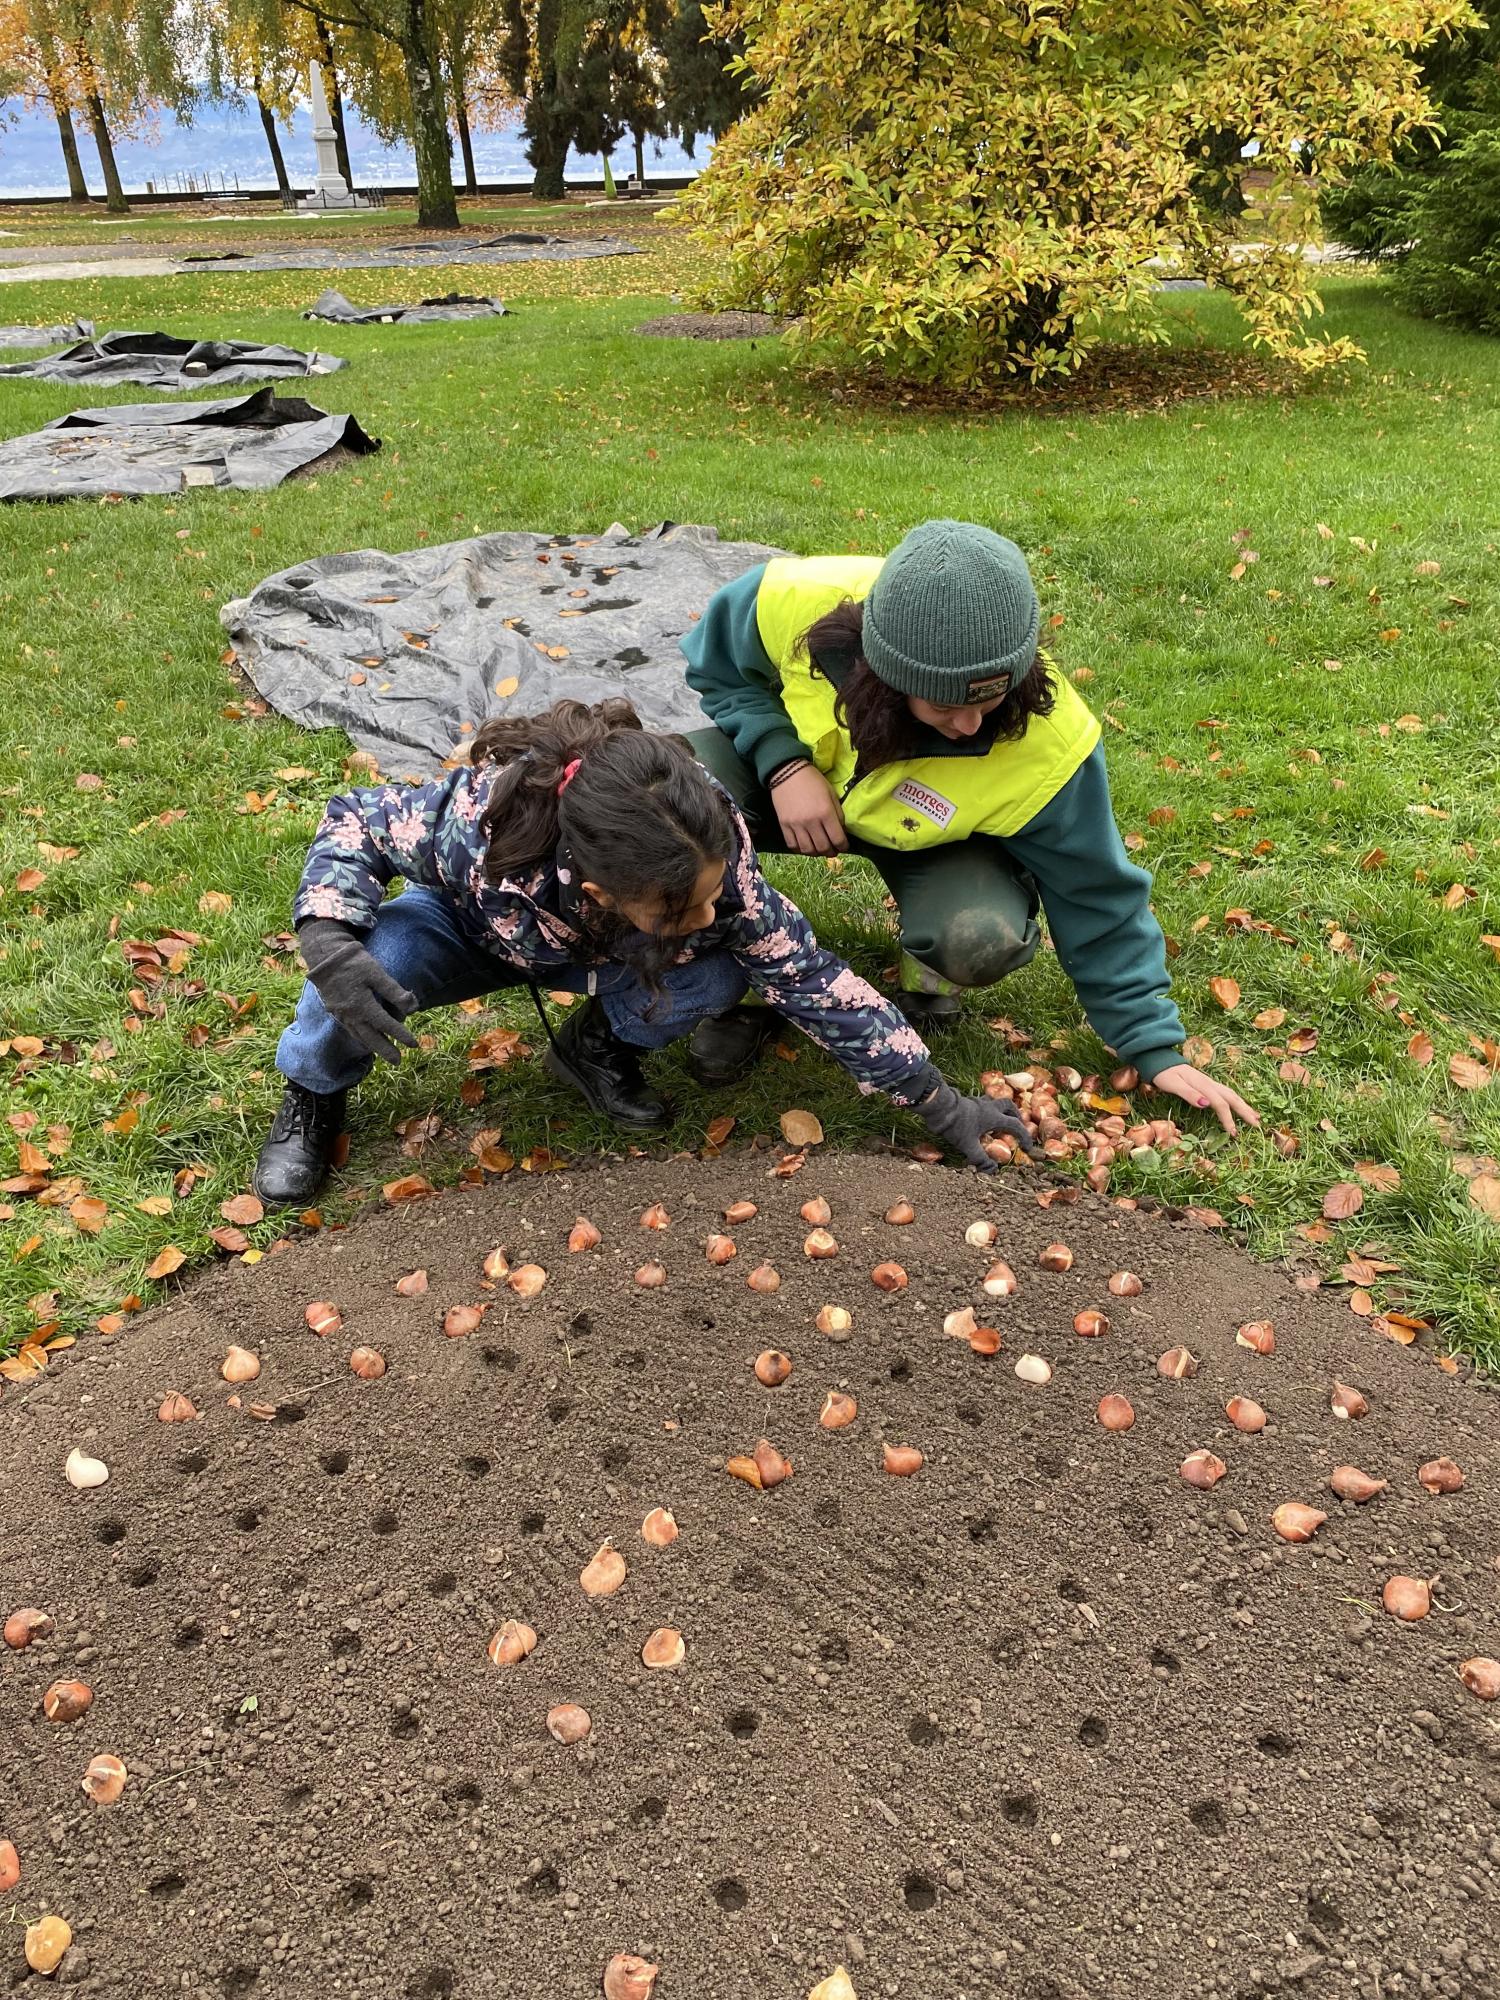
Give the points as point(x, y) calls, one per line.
point(881, 727)
point(640, 818)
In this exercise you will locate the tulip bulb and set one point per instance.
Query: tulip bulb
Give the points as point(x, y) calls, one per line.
point(568, 1723)
point(1441, 1475)
point(511, 1644)
point(83, 1472)
point(1481, 1676)
point(838, 1411)
point(1115, 1413)
point(527, 1280)
point(960, 1324)
point(323, 1317)
point(659, 1528)
point(1032, 1368)
point(1350, 1483)
point(175, 1409)
point(603, 1576)
point(627, 1977)
point(655, 1217)
point(1407, 1597)
point(496, 1265)
point(1126, 1285)
point(902, 1460)
point(1056, 1257)
point(899, 1214)
point(765, 1278)
point(981, 1235)
point(459, 1320)
point(24, 1627)
point(664, 1649)
point(1347, 1403)
point(770, 1464)
point(1245, 1415)
point(651, 1276)
point(1258, 1335)
point(1090, 1325)
point(837, 1986)
point(985, 1340)
point(1202, 1469)
point(65, 1701)
point(46, 1942)
point(412, 1286)
point(741, 1211)
point(720, 1249)
point(889, 1278)
point(772, 1368)
point(10, 1867)
point(820, 1243)
point(817, 1212)
point(1296, 1523)
point(104, 1780)
point(999, 1281)
point(1177, 1364)
point(834, 1321)
point(240, 1365)
point(367, 1364)
point(583, 1236)
point(741, 1467)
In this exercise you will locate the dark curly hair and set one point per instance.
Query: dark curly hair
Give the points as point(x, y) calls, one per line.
point(881, 726)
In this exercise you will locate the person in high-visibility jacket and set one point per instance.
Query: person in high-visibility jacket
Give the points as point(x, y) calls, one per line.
point(899, 708)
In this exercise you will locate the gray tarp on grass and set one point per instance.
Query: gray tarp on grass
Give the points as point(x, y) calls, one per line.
point(517, 246)
point(332, 305)
point(401, 651)
point(251, 442)
point(45, 336)
point(167, 361)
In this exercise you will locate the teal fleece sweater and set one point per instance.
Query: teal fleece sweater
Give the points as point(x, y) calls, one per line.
point(1097, 902)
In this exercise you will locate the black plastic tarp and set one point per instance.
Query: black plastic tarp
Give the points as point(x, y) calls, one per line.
point(252, 442)
point(332, 305)
point(403, 651)
point(517, 246)
point(45, 336)
point(168, 361)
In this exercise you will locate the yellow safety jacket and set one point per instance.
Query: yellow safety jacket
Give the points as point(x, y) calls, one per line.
point(921, 801)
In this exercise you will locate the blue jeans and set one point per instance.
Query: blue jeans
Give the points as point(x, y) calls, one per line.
point(419, 940)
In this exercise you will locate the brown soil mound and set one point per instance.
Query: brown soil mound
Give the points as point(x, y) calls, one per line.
point(1039, 1723)
point(716, 326)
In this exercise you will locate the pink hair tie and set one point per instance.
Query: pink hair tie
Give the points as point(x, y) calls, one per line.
point(570, 772)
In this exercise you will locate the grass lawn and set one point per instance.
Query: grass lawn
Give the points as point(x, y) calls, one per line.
point(1312, 740)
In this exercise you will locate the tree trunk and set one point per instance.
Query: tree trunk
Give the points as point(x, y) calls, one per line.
point(114, 194)
point(273, 143)
point(549, 128)
point(335, 101)
point(78, 187)
point(640, 156)
point(465, 137)
point(436, 206)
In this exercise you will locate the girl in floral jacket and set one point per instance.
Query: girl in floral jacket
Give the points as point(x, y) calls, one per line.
point(576, 851)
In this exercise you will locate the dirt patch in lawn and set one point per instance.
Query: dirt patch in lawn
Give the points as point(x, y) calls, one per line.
point(716, 326)
point(1041, 1722)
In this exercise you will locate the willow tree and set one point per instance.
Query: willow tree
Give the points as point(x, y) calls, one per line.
point(960, 191)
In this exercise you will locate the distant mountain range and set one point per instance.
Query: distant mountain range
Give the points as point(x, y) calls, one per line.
point(225, 142)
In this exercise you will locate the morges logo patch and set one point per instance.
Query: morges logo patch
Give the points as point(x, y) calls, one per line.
point(932, 805)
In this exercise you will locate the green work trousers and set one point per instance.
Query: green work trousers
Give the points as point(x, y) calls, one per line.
point(967, 912)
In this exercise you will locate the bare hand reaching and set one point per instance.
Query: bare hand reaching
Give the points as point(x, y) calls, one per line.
point(1193, 1087)
point(811, 822)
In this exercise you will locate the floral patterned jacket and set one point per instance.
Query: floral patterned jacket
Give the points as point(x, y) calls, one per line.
point(431, 834)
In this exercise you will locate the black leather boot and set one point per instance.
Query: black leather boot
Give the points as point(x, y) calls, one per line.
point(727, 1046)
point(604, 1070)
point(298, 1152)
point(929, 1011)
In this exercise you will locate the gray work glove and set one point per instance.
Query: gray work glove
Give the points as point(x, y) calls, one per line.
point(964, 1121)
point(356, 988)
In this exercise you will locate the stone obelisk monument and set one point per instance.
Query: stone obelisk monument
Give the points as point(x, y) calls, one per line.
point(331, 190)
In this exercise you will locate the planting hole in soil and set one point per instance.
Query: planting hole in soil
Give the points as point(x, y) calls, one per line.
point(1034, 1722)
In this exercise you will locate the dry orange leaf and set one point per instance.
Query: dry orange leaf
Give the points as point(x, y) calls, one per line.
point(215, 903)
point(1484, 1192)
point(801, 1128)
point(165, 1262)
point(1469, 1074)
point(89, 1213)
point(1226, 991)
point(1361, 1303)
point(242, 1208)
point(126, 1122)
point(1379, 1178)
point(1269, 1017)
point(1342, 1200)
point(1419, 1048)
point(410, 1187)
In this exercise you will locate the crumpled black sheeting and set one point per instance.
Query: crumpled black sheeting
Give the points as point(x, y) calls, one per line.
point(332, 305)
point(251, 442)
point(403, 651)
point(168, 361)
point(45, 336)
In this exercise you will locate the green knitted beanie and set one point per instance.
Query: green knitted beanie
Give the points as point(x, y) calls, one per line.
point(953, 615)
